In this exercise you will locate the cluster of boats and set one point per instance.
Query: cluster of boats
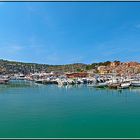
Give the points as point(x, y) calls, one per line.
point(114, 83)
point(96, 81)
point(118, 84)
point(65, 81)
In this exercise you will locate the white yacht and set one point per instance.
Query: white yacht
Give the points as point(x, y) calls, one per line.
point(124, 85)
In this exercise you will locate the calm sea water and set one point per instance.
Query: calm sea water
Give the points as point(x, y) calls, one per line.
point(44, 111)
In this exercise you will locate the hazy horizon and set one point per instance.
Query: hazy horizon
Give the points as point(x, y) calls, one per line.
point(69, 32)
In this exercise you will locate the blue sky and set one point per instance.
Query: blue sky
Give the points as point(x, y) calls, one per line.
point(70, 32)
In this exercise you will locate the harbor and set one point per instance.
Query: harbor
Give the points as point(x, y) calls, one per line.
point(112, 75)
point(97, 81)
point(49, 104)
point(69, 70)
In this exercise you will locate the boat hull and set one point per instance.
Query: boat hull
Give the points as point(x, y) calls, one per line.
point(124, 85)
point(135, 84)
point(114, 85)
point(100, 85)
point(4, 81)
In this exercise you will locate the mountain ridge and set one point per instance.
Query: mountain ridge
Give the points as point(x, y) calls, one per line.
point(12, 67)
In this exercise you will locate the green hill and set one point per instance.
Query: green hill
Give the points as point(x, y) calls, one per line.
point(10, 67)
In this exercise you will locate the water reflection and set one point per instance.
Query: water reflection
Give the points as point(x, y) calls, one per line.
point(84, 88)
point(17, 84)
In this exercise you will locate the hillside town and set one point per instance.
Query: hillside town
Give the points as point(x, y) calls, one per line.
point(127, 68)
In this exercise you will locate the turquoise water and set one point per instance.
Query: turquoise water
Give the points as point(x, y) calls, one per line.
point(44, 111)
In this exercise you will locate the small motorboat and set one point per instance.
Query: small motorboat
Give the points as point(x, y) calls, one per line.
point(40, 81)
point(113, 85)
point(4, 81)
point(100, 85)
point(124, 85)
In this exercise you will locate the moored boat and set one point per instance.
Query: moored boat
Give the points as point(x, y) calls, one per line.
point(114, 85)
point(124, 85)
point(40, 81)
point(100, 85)
point(135, 83)
point(62, 82)
point(4, 79)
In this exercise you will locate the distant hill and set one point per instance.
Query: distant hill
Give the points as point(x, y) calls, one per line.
point(10, 67)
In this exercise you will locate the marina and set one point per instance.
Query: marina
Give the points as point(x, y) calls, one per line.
point(97, 81)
